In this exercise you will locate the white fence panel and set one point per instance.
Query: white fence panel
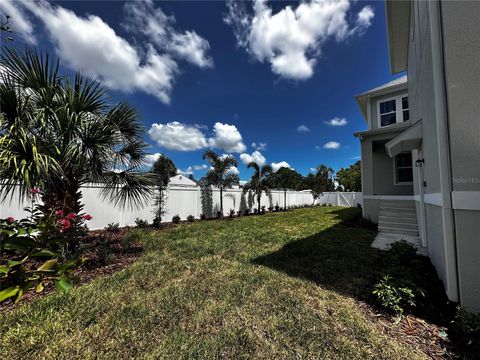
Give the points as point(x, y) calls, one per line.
point(184, 201)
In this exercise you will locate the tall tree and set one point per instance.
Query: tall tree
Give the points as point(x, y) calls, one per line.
point(259, 181)
point(286, 178)
point(164, 169)
point(351, 178)
point(220, 175)
point(320, 182)
point(58, 134)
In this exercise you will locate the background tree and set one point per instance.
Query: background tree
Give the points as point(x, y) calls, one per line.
point(164, 169)
point(351, 178)
point(58, 134)
point(286, 178)
point(320, 182)
point(221, 174)
point(259, 181)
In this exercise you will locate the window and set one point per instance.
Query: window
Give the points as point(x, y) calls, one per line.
point(393, 110)
point(388, 112)
point(403, 168)
point(406, 113)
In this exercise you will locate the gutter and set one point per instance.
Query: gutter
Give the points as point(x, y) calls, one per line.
point(443, 138)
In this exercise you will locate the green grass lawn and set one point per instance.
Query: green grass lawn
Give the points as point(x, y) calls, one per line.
point(278, 286)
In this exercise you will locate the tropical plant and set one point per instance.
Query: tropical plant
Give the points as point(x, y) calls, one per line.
point(140, 223)
point(351, 178)
point(320, 182)
point(393, 297)
point(259, 181)
point(34, 250)
point(164, 169)
point(220, 175)
point(286, 178)
point(190, 218)
point(57, 134)
point(112, 227)
point(176, 219)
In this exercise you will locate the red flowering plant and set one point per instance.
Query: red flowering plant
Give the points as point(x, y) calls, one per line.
point(39, 250)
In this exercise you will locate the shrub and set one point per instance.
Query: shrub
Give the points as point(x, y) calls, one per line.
point(104, 251)
point(277, 208)
point(219, 214)
point(127, 241)
point(190, 218)
point(176, 219)
point(247, 212)
point(231, 214)
point(270, 209)
point(239, 213)
point(141, 223)
point(465, 330)
point(37, 252)
point(263, 209)
point(255, 211)
point(203, 217)
point(113, 227)
point(401, 252)
point(393, 297)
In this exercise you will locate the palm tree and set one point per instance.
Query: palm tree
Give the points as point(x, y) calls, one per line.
point(220, 174)
point(57, 134)
point(286, 178)
point(164, 169)
point(259, 181)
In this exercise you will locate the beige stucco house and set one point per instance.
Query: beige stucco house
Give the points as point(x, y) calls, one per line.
point(421, 151)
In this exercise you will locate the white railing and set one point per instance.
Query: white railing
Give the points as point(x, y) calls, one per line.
point(183, 201)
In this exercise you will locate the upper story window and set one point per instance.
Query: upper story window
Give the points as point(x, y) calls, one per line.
point(393, 110)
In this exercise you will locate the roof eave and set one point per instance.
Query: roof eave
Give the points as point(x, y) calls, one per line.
point(398, 29)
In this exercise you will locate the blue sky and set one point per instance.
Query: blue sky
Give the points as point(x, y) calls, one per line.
point(208, 80)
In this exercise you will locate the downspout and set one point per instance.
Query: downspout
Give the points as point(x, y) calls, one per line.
point(444, 152)
point(423, 220)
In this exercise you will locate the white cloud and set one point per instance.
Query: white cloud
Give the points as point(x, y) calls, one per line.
point(151, 158)
point(260, 146)
point(142, 17)
point(19, 21)
point(336, 121)
point(291, 40)
point(255, 157)
point(312, 169)
point(228, 138)
point(332, 145)
point(200, 167)
point(279, 165)
point(178, 136)
point(303, 128)
point(234, 170)
point(188, 171)
point(89, 45)
point(183, 137)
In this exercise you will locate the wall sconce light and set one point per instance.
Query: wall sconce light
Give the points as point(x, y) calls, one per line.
point(419, 162)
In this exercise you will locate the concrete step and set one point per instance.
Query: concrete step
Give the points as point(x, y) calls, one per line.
point(398, 230)
point(397, 225)
point(406, 215)
point(397, 209)
point(383, 241)
point(398, 219)
point(399, 203)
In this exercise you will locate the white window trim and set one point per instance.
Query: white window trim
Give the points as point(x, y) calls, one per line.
point(398, 106)
point(395, 182)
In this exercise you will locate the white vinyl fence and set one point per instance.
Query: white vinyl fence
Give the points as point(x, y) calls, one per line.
point(183, 201)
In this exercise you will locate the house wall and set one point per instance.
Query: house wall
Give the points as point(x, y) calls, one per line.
point(461, 42)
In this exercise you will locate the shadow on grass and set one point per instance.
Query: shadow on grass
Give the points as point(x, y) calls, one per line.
point(340, 259)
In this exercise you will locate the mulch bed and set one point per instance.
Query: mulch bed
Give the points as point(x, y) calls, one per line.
point(425, 336)
point(97, 263)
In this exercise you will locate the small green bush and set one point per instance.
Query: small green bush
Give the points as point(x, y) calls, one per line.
point(190, 218)
point(176, 219)
point(465, 330)
point(113, 227)
point(401, 252)
point(231, 214)
point(203, 217)
point(127, 241)
point(104, 251)
point(393, 297)
point(141, 223)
